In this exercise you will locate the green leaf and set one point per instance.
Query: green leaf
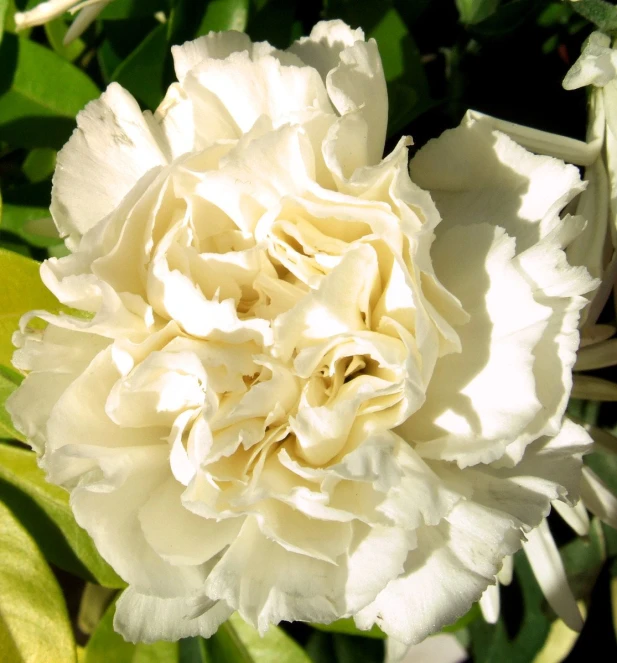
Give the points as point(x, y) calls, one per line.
point(4, 5)
point(275, 645)
point(194, 650)
point(605, 466)
point(142, 72)
point(226, 647)
point(22, 290)
point(122, 9)
point(408, 89)
point(184, 18)
point(583, 559)
point(34, 624)
point(23, 220)
point(39, 164)
point(603, 14)
point(44, 510)
point(106, 645)
point(348, 627)
point(238, 642)
point(56, 32)
point(474, 11)
point(320, 647)
point(274, 22)
point(391, 35)
point(9, 381)
point(224, 15)
point(350, 649)
point(40, 94)
point(94, 602)
point(521, 641)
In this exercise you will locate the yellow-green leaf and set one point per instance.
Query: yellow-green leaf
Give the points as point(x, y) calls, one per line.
point(106, 646)
point(22, 290)
point(44, 509)
point(9, 381)
point(34, 625)
point(348, 627)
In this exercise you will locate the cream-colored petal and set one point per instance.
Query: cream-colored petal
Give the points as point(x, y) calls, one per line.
point(547, 566)
point(179, 536)
point(597, 64)
point(448, 571)
point(482, 398)
point(576, 516)
point(141, 617)
point(476, 174)
point(111, 149)
point(490, 604)
point(598, 498)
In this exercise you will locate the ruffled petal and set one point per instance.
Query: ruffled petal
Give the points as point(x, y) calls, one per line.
point(111, 149)
point(449, 569)
point(482, 398)
point(145, 618)
point(478, 175)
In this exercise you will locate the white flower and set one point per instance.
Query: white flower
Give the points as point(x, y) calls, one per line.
point(309, 389)
point(594, 248)
point(47, 11)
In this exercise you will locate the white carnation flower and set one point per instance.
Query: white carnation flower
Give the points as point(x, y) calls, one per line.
point(309, 389)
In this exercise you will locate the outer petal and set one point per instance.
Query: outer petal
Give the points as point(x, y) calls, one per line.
point(283, 585)
point(230, 95)
point(116, 485)
point(559, 287)
point(597, 64)
point(54, 357)
point(449, 570)
point(179, 536)
point(354, 76)
point(476, 174)
point(215, 46)
point(112, 147)
point(479, 400)
point(145, 618)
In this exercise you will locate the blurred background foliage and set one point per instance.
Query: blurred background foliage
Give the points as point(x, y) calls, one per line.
point(506, 58)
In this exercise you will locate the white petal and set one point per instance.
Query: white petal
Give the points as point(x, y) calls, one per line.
point(447, 572)
point(479, 399)
point(489, 604)
point(54, 357)
point(283, 585)
point(507, 569)
point(559, 288)
point(236, 91)
point(80, 418)
point(576, 516)
point(589, 247)
point(597, 64)
point(440, 648)
point(215, 45)
point(41, 13)
point(116, 484)
point(323, 47)
point(476, 174)
point(337, 307)
point(147, 618)
point(547, 566)
point(598, 498)
point(549, 470)
point(179, 536)
point(111, 149)
point(84, 19)
point(354, 76)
